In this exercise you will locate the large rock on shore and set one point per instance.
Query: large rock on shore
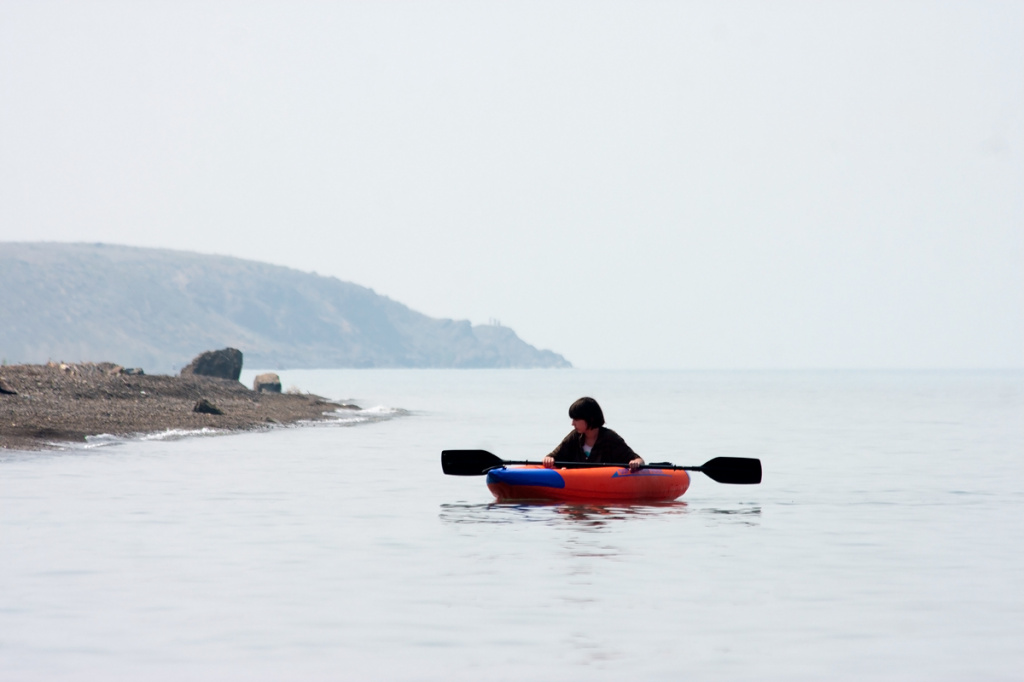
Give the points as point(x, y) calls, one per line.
point(204, 406)
point(267, 383)
point(8, 390)
point(224, 364)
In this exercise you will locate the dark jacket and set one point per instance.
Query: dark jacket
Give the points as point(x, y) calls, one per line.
point(609, 448)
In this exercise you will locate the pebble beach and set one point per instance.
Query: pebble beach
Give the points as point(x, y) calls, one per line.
point(45, 406)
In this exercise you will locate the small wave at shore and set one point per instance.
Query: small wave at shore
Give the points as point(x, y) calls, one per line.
point(345, 416)
point(379, 412)
point(107, 439)
point(339, 417)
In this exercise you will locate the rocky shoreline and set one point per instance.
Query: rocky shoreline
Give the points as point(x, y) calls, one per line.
point(43, 406)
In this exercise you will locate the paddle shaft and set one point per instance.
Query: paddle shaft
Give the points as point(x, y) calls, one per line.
point(589, 465)
point(737, 470)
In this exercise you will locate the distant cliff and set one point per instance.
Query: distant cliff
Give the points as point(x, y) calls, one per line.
point(156, 309)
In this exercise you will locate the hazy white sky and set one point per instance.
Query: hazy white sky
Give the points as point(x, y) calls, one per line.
point(632, 184)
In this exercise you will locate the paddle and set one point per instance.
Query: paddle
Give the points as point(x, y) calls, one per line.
point(738, 470)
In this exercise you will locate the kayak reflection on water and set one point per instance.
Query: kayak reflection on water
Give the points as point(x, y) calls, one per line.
point(556, 513)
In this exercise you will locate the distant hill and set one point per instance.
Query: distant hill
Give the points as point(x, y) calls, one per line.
point(157, 309)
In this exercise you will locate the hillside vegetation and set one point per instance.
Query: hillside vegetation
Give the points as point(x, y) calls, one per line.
point(156, 309)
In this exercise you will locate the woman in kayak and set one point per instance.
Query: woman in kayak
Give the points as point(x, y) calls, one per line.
point(591, 441)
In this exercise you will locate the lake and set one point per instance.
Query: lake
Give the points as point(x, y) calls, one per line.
point(886, 541)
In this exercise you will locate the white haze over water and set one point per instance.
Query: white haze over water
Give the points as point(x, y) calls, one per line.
point(631, 184)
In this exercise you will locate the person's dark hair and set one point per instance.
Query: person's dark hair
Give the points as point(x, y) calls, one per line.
point(588, 410)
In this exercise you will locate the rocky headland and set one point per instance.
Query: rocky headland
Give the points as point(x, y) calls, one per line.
point(42, 406)
point(154, 308)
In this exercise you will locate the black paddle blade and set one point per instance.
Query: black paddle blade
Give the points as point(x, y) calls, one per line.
point(740, 470)
point(468, 462)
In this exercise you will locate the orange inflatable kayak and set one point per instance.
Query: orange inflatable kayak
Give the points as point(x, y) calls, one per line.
point(599, 484)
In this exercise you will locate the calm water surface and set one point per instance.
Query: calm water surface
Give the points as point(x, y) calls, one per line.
point(886, 542)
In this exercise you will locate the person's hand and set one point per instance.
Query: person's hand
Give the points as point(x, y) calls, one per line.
point(635, 464)
point(549, 462)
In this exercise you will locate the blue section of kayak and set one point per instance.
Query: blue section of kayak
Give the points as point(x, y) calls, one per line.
point(544, 478)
